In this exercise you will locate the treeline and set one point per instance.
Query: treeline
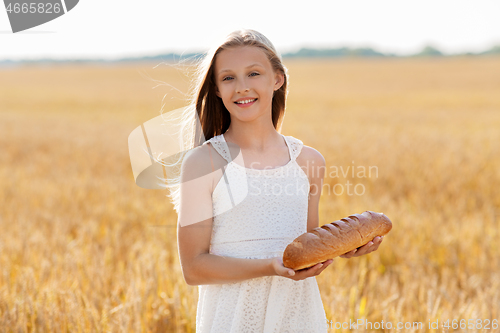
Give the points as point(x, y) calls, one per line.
point(369, 52)
point(428, 51)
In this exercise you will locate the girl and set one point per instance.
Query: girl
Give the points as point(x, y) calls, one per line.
point(236, 216)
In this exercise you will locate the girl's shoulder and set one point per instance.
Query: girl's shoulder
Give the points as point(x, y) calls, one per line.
point(309, 158)
point(201, 161)
point(303, 151)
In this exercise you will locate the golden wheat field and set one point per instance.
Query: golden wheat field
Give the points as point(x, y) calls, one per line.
point(84, 249)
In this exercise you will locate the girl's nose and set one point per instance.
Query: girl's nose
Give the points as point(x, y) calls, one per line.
point(242, 87)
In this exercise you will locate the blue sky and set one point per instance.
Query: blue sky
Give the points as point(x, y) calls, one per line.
point(112, 29)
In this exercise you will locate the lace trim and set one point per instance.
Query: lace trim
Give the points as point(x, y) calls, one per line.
point(221, 148)
point(295, 147)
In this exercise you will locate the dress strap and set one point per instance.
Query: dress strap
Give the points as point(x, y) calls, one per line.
point(220, 146)
point(295, 146)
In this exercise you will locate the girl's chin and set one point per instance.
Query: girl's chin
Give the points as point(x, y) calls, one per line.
point(249, 110)
point(245, 115)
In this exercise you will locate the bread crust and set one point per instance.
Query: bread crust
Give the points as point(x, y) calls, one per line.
point(334, 239)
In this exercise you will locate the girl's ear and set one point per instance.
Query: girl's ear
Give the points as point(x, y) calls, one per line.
point(217, 92)
point(280, 79)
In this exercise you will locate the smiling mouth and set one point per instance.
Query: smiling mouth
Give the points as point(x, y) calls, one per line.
point(246, 101)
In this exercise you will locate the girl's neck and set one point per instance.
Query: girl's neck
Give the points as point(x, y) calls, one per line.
point(251, 138)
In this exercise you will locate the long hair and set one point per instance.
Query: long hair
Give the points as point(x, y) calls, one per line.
point(206, 116)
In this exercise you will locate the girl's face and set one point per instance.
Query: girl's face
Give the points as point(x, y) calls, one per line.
point(246, 82)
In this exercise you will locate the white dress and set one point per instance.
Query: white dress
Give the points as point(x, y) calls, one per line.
point(257, 213)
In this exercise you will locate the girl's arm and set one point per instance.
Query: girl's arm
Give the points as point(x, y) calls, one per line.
point(316, 168)
point(194, 229)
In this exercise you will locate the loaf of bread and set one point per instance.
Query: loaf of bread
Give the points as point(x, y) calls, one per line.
point(334, 239)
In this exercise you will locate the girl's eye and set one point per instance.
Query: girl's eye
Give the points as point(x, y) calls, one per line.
point(227, 78)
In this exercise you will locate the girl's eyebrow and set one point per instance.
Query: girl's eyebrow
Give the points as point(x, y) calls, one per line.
point(249, 66)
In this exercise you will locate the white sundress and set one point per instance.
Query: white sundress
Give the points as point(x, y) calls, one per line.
point(257, 213)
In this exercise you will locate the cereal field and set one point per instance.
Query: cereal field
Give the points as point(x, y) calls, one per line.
point(84, 249)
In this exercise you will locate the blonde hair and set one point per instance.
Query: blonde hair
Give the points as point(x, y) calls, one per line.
point(206, 116)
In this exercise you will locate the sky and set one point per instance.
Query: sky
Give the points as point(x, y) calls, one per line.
point(113, 29)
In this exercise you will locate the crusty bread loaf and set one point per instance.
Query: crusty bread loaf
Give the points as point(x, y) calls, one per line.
point(334, 239)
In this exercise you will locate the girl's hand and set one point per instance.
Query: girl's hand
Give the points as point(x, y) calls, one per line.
point(365, 249)
point(301, 274)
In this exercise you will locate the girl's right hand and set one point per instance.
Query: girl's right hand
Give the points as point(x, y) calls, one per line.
point(302, 274)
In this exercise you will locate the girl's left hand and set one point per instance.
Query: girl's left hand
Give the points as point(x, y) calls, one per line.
point(365, 249)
